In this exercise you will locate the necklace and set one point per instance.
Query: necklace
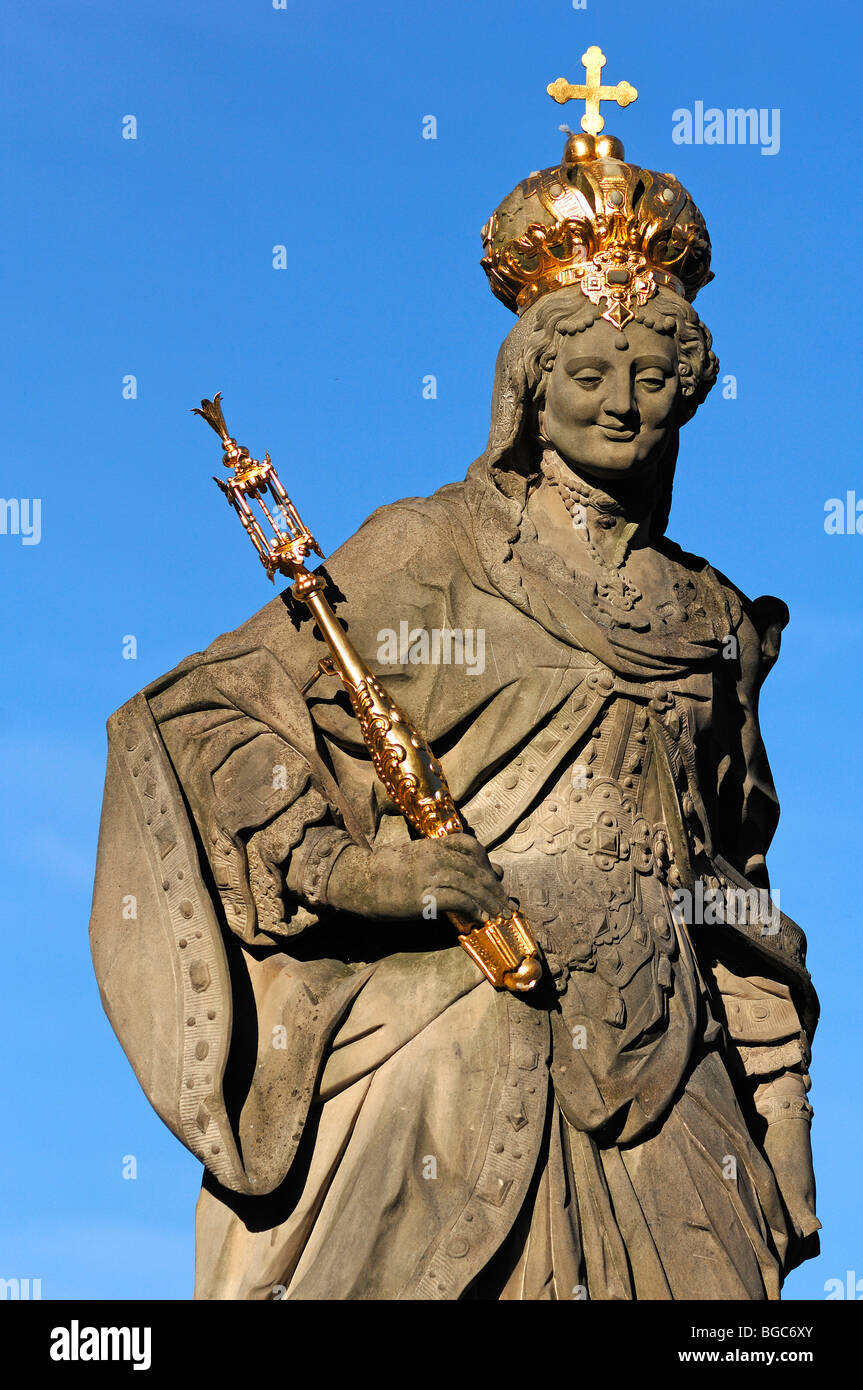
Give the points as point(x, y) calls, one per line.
point(593, 511)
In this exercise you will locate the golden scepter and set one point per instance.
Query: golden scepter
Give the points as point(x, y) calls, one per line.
point(503, 947)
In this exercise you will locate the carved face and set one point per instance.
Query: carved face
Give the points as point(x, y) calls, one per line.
point(611, 398)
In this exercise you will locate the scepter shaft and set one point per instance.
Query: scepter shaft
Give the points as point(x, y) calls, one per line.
point(503, 947)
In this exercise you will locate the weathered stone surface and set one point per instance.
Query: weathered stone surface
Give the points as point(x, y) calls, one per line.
point(376, 1121)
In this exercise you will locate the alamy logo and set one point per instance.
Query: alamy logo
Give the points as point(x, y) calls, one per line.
point(735, 126)
point(710, 907)
point(450, 646)
point(20, 1288)
point(21, 516)
point(851, 1287)
point(844, 515)
point(77, 1343)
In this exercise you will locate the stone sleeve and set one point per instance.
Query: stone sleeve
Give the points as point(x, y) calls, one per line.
point(258, 806)
point(290, 862)
point(767, 1041)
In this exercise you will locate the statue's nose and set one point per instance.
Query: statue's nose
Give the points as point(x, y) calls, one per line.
point(619, 400)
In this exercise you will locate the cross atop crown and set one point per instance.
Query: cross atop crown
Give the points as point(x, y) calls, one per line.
point(592, 92)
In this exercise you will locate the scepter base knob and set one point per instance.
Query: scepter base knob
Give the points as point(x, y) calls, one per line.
point(504, 949)
point(528, 974)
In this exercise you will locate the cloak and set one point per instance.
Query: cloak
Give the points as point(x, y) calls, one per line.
point(231, 990)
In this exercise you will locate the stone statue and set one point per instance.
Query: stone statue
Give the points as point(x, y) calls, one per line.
point(376, 1120)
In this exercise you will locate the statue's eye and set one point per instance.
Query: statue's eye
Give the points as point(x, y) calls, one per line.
point(588, 379)
point(651, 381)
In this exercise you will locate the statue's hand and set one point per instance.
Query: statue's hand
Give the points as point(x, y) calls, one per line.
point(452, 874)
point(788, 1148)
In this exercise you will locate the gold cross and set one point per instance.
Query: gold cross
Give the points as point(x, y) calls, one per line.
point(592, 92)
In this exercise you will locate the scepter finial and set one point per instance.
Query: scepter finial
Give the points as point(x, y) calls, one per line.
point(211, 411)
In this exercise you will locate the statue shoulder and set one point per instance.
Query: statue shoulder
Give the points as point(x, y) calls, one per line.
point(756, 623)
point(412, 518)
point(760, 625)
point(435, 529)
point(422, 536)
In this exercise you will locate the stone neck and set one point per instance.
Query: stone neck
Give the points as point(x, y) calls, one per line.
point(612, 520)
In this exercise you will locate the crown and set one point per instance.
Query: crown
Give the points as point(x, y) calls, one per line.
point(618, 231)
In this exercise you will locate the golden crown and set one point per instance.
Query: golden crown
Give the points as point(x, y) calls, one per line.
point(617, 231)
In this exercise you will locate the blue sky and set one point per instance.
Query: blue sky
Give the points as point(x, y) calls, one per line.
point(153, 257)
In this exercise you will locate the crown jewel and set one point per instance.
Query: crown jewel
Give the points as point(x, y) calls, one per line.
point(616, 230)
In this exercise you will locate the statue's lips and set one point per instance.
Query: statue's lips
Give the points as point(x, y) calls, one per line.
point(623, 436)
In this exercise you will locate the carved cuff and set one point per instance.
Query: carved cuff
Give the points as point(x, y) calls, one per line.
point(784, 1098)
point(269, 853)
point(792, 1055)
point(312, 863)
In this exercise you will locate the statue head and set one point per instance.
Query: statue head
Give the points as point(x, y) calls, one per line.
point(609, 401)
point(601, 259)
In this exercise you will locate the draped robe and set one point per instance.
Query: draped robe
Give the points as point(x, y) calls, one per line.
point(374, 1119)
point(399, 1129)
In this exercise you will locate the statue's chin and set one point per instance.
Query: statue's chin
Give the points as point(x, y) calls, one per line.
point(616, 465)
point(614, 460)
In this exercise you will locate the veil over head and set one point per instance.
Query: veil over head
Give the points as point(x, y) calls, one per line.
point(511, 457)
point(496, 491)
